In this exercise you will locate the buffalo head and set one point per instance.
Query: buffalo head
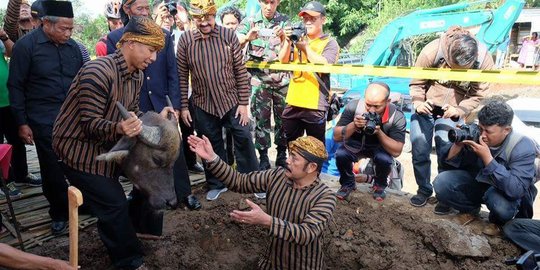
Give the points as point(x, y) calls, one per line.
point(148, 159)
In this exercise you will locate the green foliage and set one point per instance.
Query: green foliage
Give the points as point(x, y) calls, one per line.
point(532, 3)
point(390, 10)
point(89, 30)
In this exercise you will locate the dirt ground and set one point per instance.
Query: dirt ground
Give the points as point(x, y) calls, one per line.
point(364, 235)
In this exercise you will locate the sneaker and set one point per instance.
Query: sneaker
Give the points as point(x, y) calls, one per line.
point(31, 180)
point(344, 192)
point(442, 209)
point(492, 229)
point(379, 194)
point(213, 194)
point(14, 192)
point(260, 196)
point(419, 200)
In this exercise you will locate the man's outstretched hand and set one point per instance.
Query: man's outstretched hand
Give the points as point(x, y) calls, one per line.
point(254, 216)
point(202, 147)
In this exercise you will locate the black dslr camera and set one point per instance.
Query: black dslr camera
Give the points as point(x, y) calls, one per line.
point(466, 132)
point(298, 31)
point(373, 120)
point(171, 7)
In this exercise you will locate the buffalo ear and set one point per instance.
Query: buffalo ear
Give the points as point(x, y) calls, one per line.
point(119, 151)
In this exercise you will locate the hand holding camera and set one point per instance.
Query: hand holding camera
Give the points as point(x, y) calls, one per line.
point(367, 122)
point(425, 108)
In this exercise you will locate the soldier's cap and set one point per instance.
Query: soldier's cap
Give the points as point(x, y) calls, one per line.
point(57, 8)
point(37, 9)
point(143, 30)
point(202, 7)
point(313, 8)
point(310, 148)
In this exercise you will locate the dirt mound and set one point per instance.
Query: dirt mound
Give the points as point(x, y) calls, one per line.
point(364, 234)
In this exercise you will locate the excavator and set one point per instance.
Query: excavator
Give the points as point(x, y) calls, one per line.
point(390, 48)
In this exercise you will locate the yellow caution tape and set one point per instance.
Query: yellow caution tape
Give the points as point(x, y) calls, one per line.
point(473, 75)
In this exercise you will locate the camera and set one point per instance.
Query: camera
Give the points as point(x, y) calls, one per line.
point(466, 132)
point(171, 7)
point(373, 120)
point(298, 31)
point(437, 112)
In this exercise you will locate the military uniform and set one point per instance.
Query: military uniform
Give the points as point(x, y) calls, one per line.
point(268, 88)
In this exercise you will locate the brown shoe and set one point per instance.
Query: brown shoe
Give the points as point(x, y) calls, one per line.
point(492, 230)
point(465, 218)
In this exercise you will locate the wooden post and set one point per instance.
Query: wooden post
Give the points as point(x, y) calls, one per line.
point(75, 200)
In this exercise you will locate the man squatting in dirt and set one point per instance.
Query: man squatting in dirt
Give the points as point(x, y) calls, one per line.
point(485, 172)
point(299, 205)
point(89, 124)
point(382, 143)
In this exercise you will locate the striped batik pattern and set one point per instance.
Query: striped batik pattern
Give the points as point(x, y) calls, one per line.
point(299, 215)
point(11, 21)
point(219, 78)
point(86, 124)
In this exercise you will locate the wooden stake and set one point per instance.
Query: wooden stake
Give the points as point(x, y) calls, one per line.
point(75, 200)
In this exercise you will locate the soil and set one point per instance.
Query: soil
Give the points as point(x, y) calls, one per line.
point(365, 234)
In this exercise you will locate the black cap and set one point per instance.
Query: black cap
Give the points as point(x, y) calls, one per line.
point(37, 9)
point(313, 8)
point(57, 8)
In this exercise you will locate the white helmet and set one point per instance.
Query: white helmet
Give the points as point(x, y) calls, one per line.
point(112, 9)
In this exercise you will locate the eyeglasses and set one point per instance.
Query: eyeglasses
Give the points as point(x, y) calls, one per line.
point(206, 17)
point(310, 18)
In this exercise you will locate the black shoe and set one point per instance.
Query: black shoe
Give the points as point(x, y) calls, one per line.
point(58, 227)
point(442, 209)
point(192, 203)
point(197, 168)
point(264, 163)
point(31, 180)
point(281, 158)
point(419, 200)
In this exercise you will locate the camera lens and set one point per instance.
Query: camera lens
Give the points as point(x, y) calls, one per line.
point(457, 135)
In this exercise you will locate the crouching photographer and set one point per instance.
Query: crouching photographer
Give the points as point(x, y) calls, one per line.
point(492, 165)
point(308, 93)
point(373, 128)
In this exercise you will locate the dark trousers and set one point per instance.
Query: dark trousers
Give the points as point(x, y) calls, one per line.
point(54, 183)
point(105, 198)
point(295, 128)
point(190, 158)
point(10, 131)
point(524, 232)
point(211, 126)
point(460, 190)
point(182, 185)
point(382, 160)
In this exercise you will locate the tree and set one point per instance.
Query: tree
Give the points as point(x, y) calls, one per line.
point(89, 30)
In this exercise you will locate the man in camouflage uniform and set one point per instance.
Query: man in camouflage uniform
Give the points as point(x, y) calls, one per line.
point(263, 34)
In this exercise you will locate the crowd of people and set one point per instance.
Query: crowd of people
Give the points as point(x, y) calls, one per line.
point(53, 96)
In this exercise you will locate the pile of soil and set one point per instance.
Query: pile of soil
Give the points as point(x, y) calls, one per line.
point(364, 234)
